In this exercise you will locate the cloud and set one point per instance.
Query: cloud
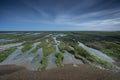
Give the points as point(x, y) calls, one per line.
point(81, 14)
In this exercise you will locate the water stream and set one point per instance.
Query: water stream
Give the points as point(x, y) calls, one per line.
point(97, 53)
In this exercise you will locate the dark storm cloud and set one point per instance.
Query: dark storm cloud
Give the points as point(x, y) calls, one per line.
point(81, 14)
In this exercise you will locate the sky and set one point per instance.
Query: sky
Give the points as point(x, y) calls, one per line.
point(60, 15)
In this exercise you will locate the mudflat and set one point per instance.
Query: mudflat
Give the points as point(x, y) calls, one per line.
point(81, 72)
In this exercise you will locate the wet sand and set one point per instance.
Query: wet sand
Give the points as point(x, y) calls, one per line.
point(7, 46)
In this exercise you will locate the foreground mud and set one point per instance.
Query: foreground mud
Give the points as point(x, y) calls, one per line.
point(81, 72)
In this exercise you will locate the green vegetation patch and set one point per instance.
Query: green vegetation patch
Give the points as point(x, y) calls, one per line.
point(48, 47)
point(62, 47)
point(43, 64)
point(111, 49)
point(6, 53)
point(59, 60)
point(27, 46)
point(70, 50)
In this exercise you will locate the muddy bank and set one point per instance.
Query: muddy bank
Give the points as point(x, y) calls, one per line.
point(67, 73)
point(8, 69)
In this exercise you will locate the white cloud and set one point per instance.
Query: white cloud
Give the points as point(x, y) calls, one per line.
point(106, 24)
